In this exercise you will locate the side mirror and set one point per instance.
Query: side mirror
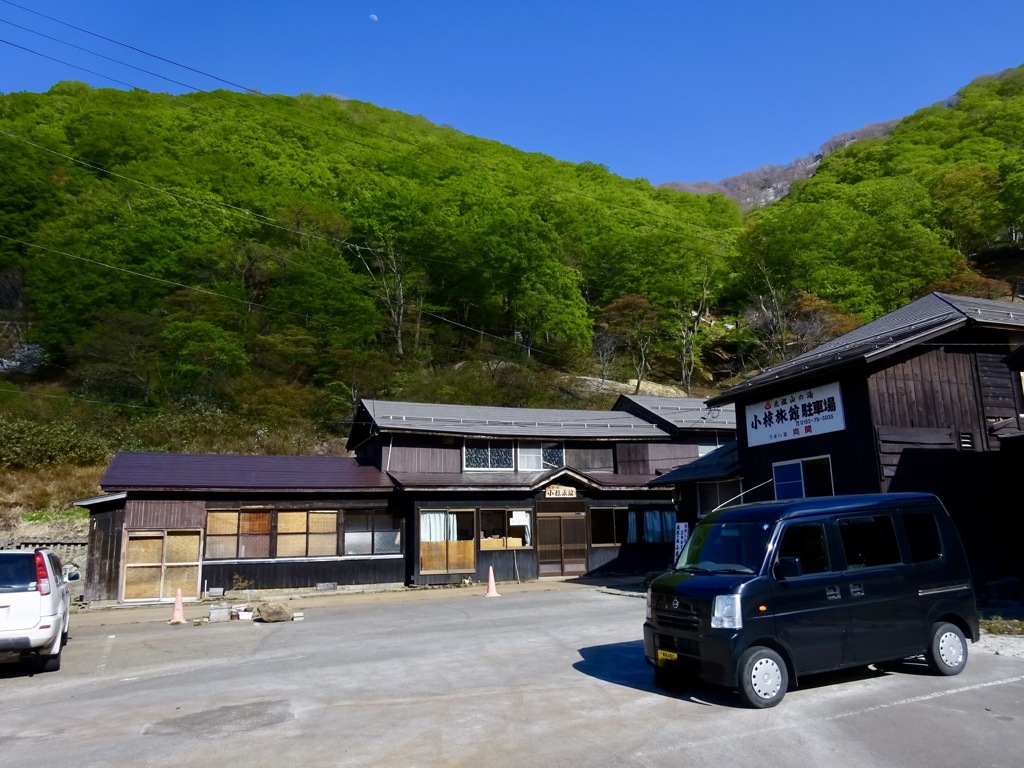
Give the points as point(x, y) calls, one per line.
point(73, 576)
point(788, 568)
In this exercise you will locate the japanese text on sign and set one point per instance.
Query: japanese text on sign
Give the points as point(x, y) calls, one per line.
point(814, 411)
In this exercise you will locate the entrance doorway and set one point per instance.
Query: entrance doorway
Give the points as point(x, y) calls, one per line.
point(561, 538)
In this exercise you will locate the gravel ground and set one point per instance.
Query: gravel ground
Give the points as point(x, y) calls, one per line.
point(1001, 645)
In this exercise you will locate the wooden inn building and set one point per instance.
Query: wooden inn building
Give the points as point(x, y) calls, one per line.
point(435, 494)
point(926, 398)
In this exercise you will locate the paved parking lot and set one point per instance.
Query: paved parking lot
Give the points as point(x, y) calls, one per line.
point(546, 674)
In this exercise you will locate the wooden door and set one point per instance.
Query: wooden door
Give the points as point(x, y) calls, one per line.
point(561, 545)
point(159, 563)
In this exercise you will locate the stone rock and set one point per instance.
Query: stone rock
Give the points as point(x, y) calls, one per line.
point(273, 612)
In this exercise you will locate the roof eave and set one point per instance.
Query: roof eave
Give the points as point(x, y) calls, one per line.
point(737, 392)
point(122, 489)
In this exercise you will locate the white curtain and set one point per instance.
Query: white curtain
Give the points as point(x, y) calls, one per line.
point(433, 526)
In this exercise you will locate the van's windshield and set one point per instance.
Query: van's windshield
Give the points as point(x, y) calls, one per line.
point(725, 548)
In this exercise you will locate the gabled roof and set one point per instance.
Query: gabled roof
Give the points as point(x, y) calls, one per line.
point(930, 316)
point(382, 416)
point(723, 463)
point(678, 414)
point(191, 471)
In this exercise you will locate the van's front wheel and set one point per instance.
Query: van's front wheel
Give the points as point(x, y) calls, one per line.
point(763, 677)
point(947, 651)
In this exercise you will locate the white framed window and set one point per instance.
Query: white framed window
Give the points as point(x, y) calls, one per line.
point(539, 456)
point(488, 454)
point(803, 478)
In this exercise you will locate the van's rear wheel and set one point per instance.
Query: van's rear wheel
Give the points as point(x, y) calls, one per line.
point(763, 677)
point(947, 651)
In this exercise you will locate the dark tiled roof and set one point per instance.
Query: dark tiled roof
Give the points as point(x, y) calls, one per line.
point(678, 414)
point(929, 316)
point(488, 421)
point(235, 472)
point(721, 464)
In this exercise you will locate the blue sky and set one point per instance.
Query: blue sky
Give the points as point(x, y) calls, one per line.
point(667, 90)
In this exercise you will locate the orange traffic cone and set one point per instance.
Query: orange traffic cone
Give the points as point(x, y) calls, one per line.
point(179, 611)
point(492, 591)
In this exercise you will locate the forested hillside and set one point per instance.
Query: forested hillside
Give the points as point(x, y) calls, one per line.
point(225, 271)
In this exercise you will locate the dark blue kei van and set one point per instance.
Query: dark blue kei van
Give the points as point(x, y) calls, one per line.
point(765, 593)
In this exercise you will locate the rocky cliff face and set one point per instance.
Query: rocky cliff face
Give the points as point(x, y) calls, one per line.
point(767, 184)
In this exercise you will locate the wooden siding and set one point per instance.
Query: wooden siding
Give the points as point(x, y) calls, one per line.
point(649, 458)
point(633, 459)
point(508, 564)
point(305, 574)
point(160, 514)
point(422, 454)
point(935, 388)
point(905, 451)
point(103, 564)
point(590, 458)
point(997, 390)
point(665, 456)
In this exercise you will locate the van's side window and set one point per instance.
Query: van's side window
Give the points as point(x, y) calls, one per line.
point(923, 536)
point(807, 542)
point(869, 541)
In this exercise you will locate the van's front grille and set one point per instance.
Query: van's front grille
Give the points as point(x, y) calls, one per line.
point(678, 621)
point(680, 645)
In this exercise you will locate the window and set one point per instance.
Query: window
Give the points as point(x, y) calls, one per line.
point(307, 534)
point(372, 532)
point(538, 456)
point(704, 446)
point(250, 534)
point(869, 541)
point(710, 496)
point(505, 529)
point(803, 478)
point(659, 526)
point(611, 526)
point(488, 454)
point(447, 538)
point(234, 534)
point(806, 541)
point(923, 536)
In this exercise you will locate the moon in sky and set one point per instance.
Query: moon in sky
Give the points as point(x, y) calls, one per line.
point(373, 17)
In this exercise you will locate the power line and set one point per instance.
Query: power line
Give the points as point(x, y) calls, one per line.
point(267, 220)
point(358, 126)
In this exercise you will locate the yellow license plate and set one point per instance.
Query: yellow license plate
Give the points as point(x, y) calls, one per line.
point(664, 656)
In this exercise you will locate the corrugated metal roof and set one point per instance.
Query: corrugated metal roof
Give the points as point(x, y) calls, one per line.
point(722, 463)
point(489, 421)
point(679, 413)
point(929, 316)
point(236, 472)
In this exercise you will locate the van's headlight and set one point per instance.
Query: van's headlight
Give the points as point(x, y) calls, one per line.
point(649, 603)
point(727, 613)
